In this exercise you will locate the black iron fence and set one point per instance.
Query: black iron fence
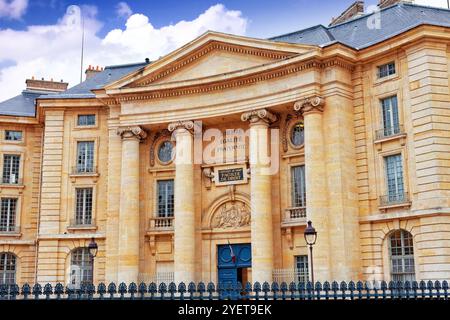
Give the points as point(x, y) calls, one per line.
point(228, 291)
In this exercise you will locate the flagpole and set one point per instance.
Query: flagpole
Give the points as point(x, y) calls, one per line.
point(82, 46)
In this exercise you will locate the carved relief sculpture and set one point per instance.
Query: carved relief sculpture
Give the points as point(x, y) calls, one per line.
point(235, 216)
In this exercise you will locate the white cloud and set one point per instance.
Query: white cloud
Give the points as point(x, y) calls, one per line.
point(123, 10)
point(432, 3)
point(13, 9)
point(141, 38)
point(53, 51)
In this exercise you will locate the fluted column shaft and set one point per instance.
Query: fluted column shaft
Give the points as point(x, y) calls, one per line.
point(316, 183)
point(128, 264)
point(184, 222)
point(260, 195)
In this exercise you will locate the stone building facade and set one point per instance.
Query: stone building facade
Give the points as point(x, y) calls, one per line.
point(207, 163)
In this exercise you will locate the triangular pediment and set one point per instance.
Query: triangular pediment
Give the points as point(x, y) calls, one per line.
point(210, 55)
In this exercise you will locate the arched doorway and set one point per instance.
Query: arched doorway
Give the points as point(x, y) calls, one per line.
point(234, 263)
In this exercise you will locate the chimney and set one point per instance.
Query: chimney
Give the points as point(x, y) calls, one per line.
point(46, 85)
point(354, 11)
point(386, 3)
point(92, 71)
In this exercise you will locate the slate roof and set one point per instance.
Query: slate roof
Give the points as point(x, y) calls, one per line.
point(359, 34)
point(101, 79)
point(24, 105)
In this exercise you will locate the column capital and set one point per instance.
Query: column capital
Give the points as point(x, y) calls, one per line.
point(127, 132)
point(185, 125)
point(260, 115)
point(310, 105)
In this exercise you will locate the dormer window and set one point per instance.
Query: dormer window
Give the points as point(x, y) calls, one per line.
point(386, 70)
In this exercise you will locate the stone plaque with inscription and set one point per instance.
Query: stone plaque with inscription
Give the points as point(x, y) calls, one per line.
point(230, 175)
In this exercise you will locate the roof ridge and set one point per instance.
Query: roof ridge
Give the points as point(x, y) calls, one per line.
point(116, 66)
point(294, 32)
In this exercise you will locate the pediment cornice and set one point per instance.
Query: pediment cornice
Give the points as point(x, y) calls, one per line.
point(232, 80)
point(200, 47)
point(203, 51)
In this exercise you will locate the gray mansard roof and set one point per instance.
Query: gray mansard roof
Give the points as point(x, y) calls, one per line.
point(355, 33)
point(24, 105)
point(360, 33)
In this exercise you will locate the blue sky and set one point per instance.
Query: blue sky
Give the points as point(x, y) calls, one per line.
point(267, 17)
point(42, 38)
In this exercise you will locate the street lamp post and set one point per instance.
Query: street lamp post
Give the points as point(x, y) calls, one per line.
point(93, 249)
point(310, 238)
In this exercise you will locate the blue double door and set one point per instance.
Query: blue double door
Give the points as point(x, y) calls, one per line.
point(239, 270)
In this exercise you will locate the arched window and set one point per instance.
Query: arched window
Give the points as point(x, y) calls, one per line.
point(401, 253)
point(7, 268)
point(81, 268)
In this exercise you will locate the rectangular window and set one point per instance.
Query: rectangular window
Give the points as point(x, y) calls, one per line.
point(8, 215)
point(391, 123)
point(394, 177)
point(386, 70)
point(11, 165)
point(83, 214)
point(301, 268)
point(86, 120)
point(165, 198)
point(13, 135)
point(85, 157)
point(298, 186)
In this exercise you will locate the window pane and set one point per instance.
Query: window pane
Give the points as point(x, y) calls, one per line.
point(7, 268)
point(386, 70)
point(86, 120)
point(165, 198)
point(81, 267)
point(12, 135)
point(301, 266)
point(298, 186)
point(85, 156)
point(83, 213)
point(298, 134)
point(165, 151)
point(391, 123)
point(394, 175)
point(8, 214)
point(402, 256)
point(11, 165)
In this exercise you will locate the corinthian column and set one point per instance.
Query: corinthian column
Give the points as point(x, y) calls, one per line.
point(128, 266)
point(184, 222)
point(316, 182)
point(260, 194)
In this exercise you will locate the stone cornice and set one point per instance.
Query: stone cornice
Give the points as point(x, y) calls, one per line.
point(255, 116)
point(228, 83)
point(128, 132)
point(309, 105)
point(209, 47)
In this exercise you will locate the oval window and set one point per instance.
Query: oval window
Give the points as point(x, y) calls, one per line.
point(298, 134)
point(165, 151)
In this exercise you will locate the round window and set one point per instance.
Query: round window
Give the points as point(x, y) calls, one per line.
point(165, 151)
point(298, 134)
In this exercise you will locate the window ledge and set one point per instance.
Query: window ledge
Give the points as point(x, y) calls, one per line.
point(82, 228)
point(12, 186)
point(391, 77)
point(293, 222)
point(405, 204)
point(389, 138)
point(10, 234)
